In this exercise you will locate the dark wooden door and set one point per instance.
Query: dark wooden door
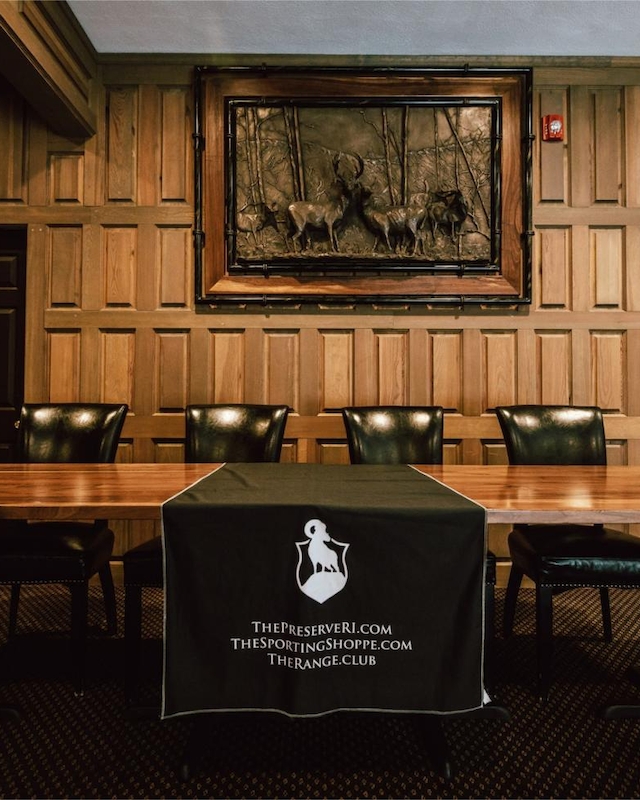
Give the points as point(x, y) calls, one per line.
point(13, 262)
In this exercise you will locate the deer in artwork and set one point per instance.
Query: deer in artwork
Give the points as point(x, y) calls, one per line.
point(254, 217)
point(447, 210)
point(392, 222)
point(306, 215)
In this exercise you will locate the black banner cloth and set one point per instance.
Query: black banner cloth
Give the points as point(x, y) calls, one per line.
point(308, 588)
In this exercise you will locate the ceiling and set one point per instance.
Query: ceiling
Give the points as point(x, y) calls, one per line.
point(364, 27)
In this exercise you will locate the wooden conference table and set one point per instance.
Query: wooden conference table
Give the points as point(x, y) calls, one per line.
point(137, 491)
point(510, 494)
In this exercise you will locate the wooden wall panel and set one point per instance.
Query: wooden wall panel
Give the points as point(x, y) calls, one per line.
point(65, 271)
point(607, 145)
point(117, 360)
point(64, 366)
point(446, 360)
point(122, 123)
point(226, 367)
point(175, 266)
point(309, 373)
point(581, 140)
point(172, 371)
point(169, 452)
point(332, 453)
point(120, 252)
point(145, 145)
point(607, 268)
point(336, 358)
point(124, 454)
point(632, 267)
point(617, 453)
point(175, 146)
point(553, 267)
point(632, 145)
point(500, 373)
point(452, 452)
point(13, 177)
point(391, 365)
point(66, 178)
point(552, 173)
point(581, 269)
point(420, 367)
point(553, 367)
point(527, 381)
point(596, 136)
point(608, 369)
point(281, 368)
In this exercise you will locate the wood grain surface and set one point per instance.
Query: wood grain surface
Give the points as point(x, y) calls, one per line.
point(137, 491)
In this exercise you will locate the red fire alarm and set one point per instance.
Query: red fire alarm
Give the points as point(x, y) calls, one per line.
point(552, 128)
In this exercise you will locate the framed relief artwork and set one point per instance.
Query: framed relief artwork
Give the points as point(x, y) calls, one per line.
point(374, 186)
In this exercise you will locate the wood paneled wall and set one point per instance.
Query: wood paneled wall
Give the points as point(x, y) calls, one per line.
point(110, 286)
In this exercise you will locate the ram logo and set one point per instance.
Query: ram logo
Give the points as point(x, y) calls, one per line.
point(322, 566)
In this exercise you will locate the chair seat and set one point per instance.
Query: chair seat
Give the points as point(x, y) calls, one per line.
point(143, 564)
point(580, 555)
point(53, 551)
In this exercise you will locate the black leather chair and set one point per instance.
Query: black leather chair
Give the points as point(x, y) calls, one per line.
point(214, 433)
point(394, 434)
point(411, 435)
point(69, 553)
point(562, 557)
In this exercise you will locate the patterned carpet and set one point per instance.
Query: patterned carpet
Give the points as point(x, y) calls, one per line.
point(65, 746)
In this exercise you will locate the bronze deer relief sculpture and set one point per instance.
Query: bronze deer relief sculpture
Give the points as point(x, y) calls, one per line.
point(345, 185)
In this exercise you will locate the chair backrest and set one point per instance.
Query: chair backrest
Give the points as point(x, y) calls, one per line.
point(234, 432)
point(539, 434)
point(78, 433)
point(394, 434)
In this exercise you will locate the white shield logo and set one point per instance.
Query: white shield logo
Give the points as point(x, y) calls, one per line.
point(322, 566)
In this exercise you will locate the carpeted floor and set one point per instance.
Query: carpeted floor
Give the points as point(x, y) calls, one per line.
point(65, 746)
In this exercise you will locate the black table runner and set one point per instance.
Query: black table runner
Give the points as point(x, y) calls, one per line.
point(305, 589)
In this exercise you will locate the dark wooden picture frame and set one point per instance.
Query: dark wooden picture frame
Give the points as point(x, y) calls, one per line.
point(375, 186)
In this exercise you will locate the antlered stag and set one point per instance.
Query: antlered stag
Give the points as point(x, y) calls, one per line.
point(306, 215)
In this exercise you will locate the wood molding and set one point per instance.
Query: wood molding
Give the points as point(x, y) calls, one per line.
point(46, 60)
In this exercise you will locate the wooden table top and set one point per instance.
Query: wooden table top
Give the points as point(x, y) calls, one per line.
point(92, 491)
point(137, 491)
point(545, 495)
